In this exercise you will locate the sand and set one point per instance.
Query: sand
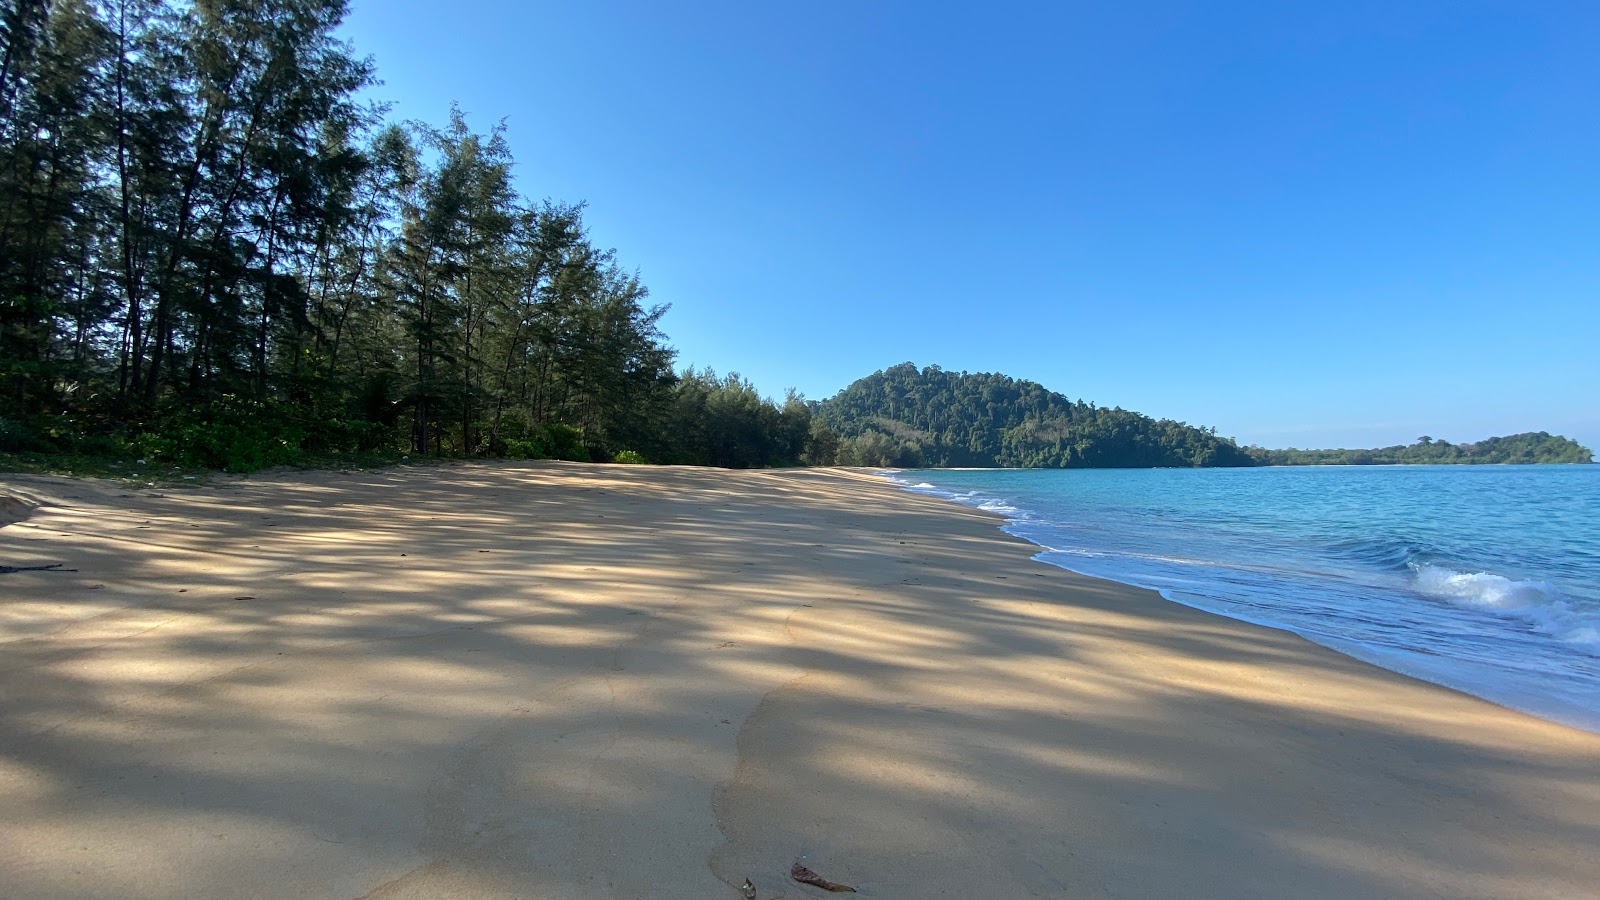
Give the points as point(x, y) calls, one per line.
point(554, 681)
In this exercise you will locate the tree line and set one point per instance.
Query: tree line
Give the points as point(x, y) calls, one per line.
point(908, 417)
point(213, 253)
point(1526, 448)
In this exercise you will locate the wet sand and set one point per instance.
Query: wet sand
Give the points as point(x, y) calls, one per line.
point(554, 680)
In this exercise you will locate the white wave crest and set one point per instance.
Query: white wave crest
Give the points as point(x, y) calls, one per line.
point(1484, 588)
point(999, 506)
point(1540, 602)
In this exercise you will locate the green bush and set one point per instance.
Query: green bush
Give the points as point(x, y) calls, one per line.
point(151, 445)
point(523, 448)
point(233, 434)
point(94, 445)
point(15, 437)
point(338, 435)
point(630, 457)
point(566, 442)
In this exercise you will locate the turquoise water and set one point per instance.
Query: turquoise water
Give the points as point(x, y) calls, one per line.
point(1481, 578)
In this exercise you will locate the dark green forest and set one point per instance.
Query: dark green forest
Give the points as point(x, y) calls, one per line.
point(905, 416)
point(1529, 447)
point(214, 254)
point(909, 417)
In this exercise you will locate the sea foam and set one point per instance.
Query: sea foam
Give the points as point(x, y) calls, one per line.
point(1409, 568)
point(1538, 602)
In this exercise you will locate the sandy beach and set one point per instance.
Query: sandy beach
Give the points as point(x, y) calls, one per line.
point(567, 681)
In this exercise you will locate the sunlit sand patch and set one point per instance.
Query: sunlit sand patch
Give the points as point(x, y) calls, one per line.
point(726, 672)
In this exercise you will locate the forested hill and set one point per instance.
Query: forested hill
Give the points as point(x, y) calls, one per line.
point(905, 416)
point(1529, 447)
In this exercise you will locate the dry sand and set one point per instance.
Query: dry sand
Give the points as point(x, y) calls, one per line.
point(554, 681)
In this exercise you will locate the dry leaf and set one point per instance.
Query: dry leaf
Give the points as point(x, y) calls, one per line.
point(748, 890)
point(806, 876)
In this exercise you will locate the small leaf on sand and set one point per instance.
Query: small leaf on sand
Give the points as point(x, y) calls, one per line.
point(806, 876)
point(748, 890)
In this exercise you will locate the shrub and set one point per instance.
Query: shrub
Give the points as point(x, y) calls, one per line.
point(95, 445)
point(16, 437)
point(336, 435)
point(566, 442)
point(630, 457)
point(150, 445)
point(523, 448)
point(234, 434)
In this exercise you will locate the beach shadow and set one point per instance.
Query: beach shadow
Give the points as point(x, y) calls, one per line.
point(560, 680)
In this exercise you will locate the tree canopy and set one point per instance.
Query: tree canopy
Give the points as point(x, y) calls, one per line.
point(212, 253)
point(1528, 447)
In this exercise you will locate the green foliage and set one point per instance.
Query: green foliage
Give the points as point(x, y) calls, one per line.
point(16, 437)
point(726, 422)
point(906, 417)
point(213, 253)
point(822, 445)
point(878, 450)
point(524, 448)
point(566, 442)
point(236, 435)
point(630, 457)
point(199, 217)
point(1525, 448)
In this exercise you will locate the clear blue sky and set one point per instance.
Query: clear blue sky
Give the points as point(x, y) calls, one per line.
point(1305, 223)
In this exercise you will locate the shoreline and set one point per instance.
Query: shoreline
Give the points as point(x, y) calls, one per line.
point(1557, 710)
point(595, 681)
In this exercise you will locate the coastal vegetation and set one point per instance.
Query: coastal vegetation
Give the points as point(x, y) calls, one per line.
point(1529, 447)
point(215, 255)
point(905, 416)
point(909, 417)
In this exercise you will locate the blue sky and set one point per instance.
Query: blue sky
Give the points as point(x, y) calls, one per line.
point(1308, 224)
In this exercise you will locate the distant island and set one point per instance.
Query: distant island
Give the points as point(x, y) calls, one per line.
point(908, 417)
point(1528, 447)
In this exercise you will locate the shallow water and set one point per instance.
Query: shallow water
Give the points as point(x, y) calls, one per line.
point(1481, 578)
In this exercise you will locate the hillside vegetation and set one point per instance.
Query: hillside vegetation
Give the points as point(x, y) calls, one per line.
point(905, 416)
point(909, 417)
point(1528, 447)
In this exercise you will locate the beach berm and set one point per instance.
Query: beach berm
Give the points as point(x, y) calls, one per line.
point(553, 680)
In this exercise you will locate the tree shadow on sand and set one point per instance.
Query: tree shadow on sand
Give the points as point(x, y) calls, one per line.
point(552, 680)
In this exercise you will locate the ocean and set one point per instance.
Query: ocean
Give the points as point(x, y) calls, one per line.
point(1485, 579)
